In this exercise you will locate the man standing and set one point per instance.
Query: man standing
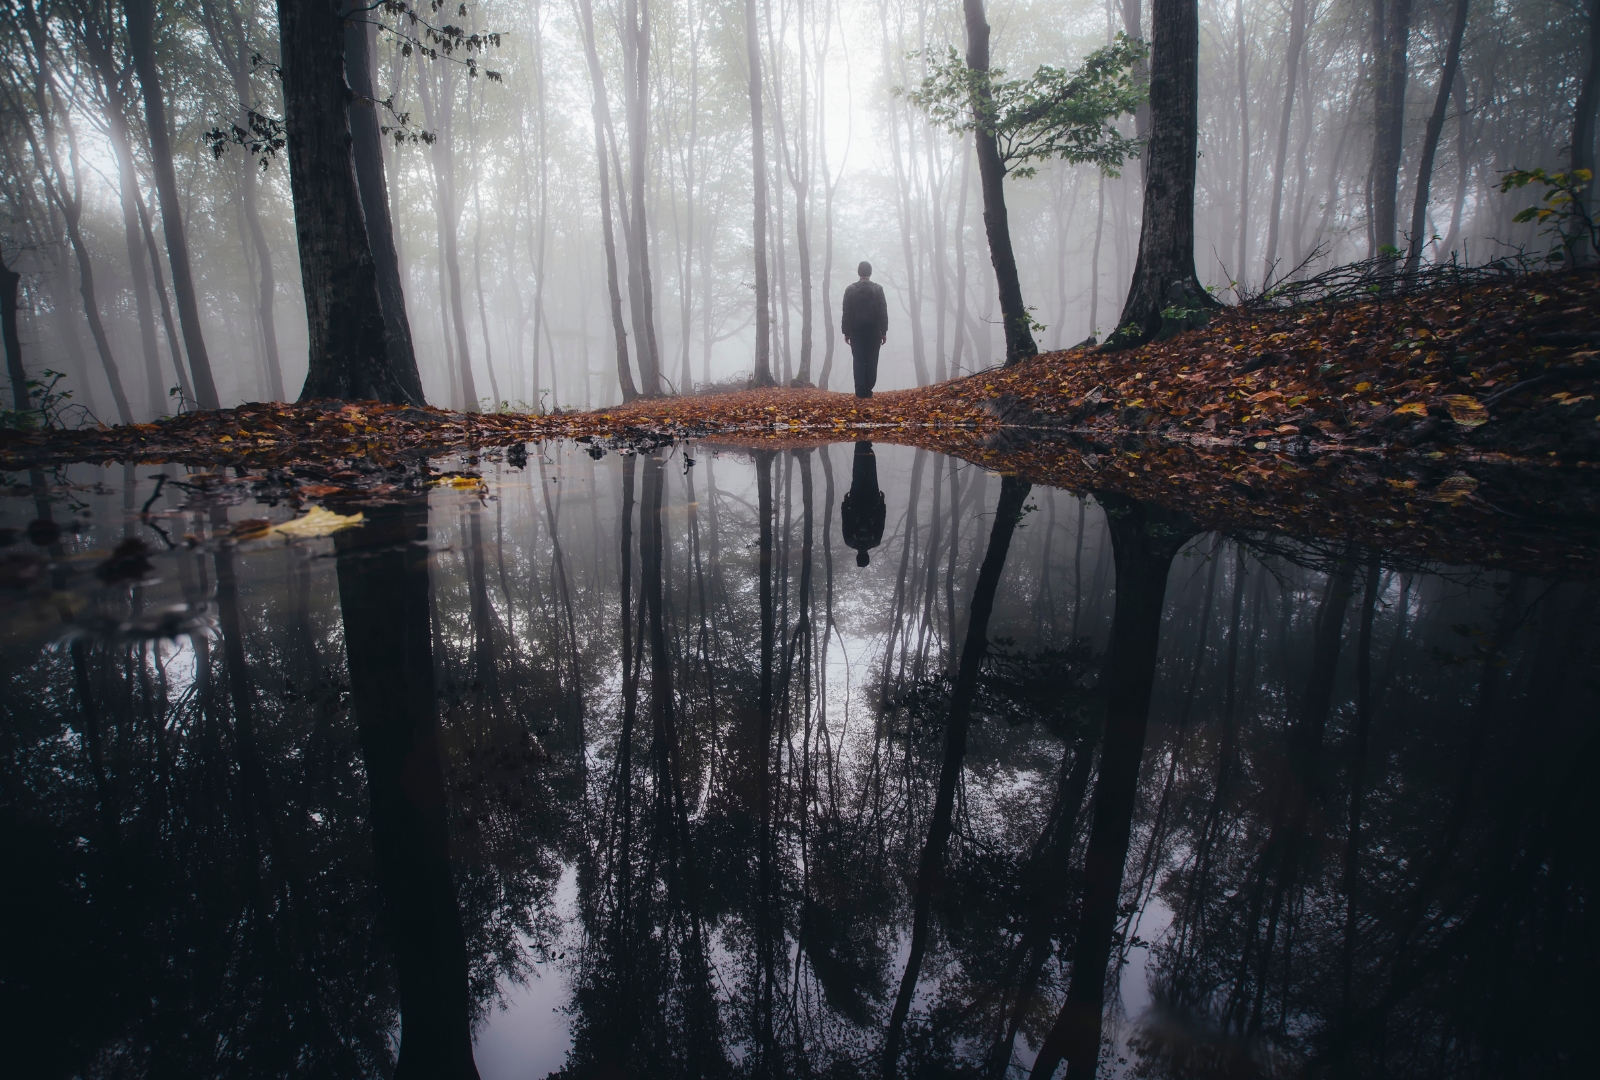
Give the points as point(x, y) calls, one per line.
point(865, 326)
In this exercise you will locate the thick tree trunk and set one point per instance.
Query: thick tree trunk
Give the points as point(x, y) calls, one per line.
point(1430, 140)
point(1583, 124)
point(141, 44)
point(641, 293)
point(1163, 273)
point(991, 176)
point(1297, 35)
point(1391, 32)
point(367, 150)
point(602, 112)
point(762, 373)
point(1145, 539)
point(10, 282)
point(348, 355)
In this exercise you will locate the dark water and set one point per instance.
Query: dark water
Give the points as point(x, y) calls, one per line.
point(625, 767)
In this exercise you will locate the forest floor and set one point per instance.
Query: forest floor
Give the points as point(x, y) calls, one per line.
point(1458, 425)
point(1508, 369)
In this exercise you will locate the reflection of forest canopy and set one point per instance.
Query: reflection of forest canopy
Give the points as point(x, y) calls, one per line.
point(1359, 794)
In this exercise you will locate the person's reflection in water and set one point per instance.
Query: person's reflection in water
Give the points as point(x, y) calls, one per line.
point(383, 594)
point(863, 511)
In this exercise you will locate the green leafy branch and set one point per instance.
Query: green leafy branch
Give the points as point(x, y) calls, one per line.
point(1052, 114)
point(1563, 211)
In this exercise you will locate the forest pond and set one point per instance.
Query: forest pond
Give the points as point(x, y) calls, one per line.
point(707, 761)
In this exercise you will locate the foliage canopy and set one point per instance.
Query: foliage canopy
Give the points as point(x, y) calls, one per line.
point(1053, 113)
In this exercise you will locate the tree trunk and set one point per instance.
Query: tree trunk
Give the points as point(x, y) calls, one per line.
point(1244, 137)
point(154, 254)
point(96, 39)
point(1583, 123)
point(1391, 31)
point(1430, 141)
point(138, 272)
point(1163, 273)
point(348, 356)
point(141, 44)
point(602, 112)
point(762, 374)
point(367, 150)
point(1297, 35)
point(991, 176)
point(69, 201)
point(1145, 539)
point(800, 180)
point(636, 103)
point(10, 281)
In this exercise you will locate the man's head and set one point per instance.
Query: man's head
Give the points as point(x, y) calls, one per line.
point(862, 558)
point(865, 269)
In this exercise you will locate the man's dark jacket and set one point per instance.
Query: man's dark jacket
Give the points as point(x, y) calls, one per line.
point(866, 312)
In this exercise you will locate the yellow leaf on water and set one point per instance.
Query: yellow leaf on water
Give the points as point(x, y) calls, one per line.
point(1416, 408)
point(318, 521)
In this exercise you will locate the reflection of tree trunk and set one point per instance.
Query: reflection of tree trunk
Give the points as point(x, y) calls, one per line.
point(383, 592)
point(1298, 792)
point(930, 870)
point(1358, 778)
point(1047, 897)
point(765, 946)
point(1145, 539)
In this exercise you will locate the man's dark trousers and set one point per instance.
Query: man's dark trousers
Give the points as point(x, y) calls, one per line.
point(864, 350)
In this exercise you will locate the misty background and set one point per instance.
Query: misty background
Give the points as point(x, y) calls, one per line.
point(494, 184)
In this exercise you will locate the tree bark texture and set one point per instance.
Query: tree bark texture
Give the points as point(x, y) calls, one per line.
point(367, 150)
point(1391, 32)
point(349, 356)
point(1430, 140)
point(1163, 272)
point(991, 177)
point(141, 44)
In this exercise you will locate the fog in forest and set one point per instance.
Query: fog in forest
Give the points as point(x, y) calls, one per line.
point(510, 136)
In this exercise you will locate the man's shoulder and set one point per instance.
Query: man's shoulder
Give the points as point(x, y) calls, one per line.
point(858, 286)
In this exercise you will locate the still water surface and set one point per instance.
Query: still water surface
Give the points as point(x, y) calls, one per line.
point(828, 762)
